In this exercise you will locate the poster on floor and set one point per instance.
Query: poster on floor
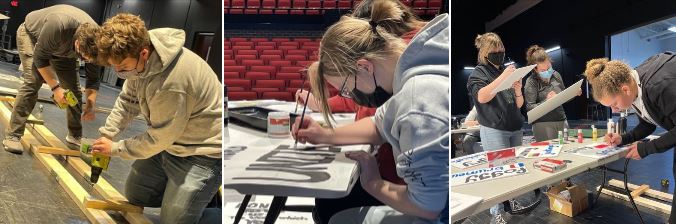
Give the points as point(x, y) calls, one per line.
point(539, 151)
point(597, 150)
point(468, 161)
point(487, 174)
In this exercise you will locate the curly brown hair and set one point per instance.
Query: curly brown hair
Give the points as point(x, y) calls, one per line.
point(124, 35)
point(607, 77)
point(85, 35)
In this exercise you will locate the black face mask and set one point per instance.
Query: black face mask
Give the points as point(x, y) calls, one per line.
point(375, 99)
point(497, 58)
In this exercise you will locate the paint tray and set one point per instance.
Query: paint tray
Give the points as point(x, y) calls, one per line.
point(254, 117)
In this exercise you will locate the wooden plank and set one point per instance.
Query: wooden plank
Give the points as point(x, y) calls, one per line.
point(38, 122)
point(650, 192)
point(6, 99)
point(639, 191)
point(65, 180)
point(102, 187)
point(111, 205)
point(661, 207)
point(58, 151)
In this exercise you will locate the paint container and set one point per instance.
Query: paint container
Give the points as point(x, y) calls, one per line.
point(560, 137)
point(279, 124)
point(611, 126)
point(565, 134)
point(580, 136)
point(595, 133)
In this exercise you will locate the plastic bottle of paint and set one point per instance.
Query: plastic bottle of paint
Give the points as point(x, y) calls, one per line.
point(279, 124)
point(622, 123)
point(595, 133)
point(611, 126)
point(565, 134)
point(579, 136)
point(560, 138)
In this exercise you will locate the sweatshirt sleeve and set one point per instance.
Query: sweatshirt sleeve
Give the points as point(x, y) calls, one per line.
point(668, 139)
point(93, 76)
point(49, 40)
point(125, 109)
point(424, 155)
point(642, 130)
point(169, 115)
point(530, 93)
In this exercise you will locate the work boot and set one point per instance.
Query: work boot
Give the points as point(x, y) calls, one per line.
point(73, 142)
point(12, 144)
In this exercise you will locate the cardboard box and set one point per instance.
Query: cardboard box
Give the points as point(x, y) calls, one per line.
point(578, 199)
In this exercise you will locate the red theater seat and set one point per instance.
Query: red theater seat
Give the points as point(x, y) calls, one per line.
point(229, 62)
point(238, 68)
point(269, 69)
point(279, 63)
point(250, 62)
point(230, 75)
point(272, 52)
point(290, 69)
point(239, 58)
point(244, 83)
point(295, 57)
point(285, 96)
point(288, 75)
point(256, 75)
point(296, 52)
point(269, 84)
point(248, 95)
point(268, 58)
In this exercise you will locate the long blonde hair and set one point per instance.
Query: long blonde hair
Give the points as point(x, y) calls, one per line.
point(607, 77)
point(485, 43)
point(350, 40)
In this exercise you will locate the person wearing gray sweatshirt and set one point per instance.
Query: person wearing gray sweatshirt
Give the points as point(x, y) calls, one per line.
point(409, 85)
point(178, 158)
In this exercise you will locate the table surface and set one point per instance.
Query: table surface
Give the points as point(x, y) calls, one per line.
point(465, 130)
point(499, 190)
point(260, 169)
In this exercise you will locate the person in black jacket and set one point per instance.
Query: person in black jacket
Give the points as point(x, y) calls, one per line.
point(498, 114)
point(648, 89)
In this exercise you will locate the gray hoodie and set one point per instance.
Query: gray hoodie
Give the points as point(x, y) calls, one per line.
point(415, 119)
point(180, 97)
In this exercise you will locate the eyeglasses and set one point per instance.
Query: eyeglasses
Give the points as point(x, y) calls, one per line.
point(343, 89)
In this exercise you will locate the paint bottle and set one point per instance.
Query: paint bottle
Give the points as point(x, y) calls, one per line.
point(611, 126)
point(579, 136)
point(560, 138)
point(622, 123)
point(595, 133)
point(565, 134)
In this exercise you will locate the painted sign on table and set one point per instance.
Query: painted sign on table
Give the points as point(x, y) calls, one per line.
point(539, 151)
point(487, 174)
point(284, 170)
point(471, 160)
point(597, 150)
point(501, 157)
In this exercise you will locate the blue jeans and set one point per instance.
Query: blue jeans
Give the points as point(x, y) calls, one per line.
point(182, 186)
point(494, 139)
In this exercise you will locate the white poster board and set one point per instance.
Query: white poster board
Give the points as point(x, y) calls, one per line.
point(517, 75)
point(487, 174)
point(538, 151)
point(257, 210)
point(551, 104)
point(597, 150)
point(471, 160)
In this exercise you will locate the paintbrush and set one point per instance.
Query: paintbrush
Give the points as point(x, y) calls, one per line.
point(302, 115)
point(301, 88)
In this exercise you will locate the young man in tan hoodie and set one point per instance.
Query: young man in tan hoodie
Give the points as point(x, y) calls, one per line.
point(178, 158)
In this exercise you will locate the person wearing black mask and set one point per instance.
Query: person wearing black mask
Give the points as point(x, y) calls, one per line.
point(498, 114)
point(409, 85)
